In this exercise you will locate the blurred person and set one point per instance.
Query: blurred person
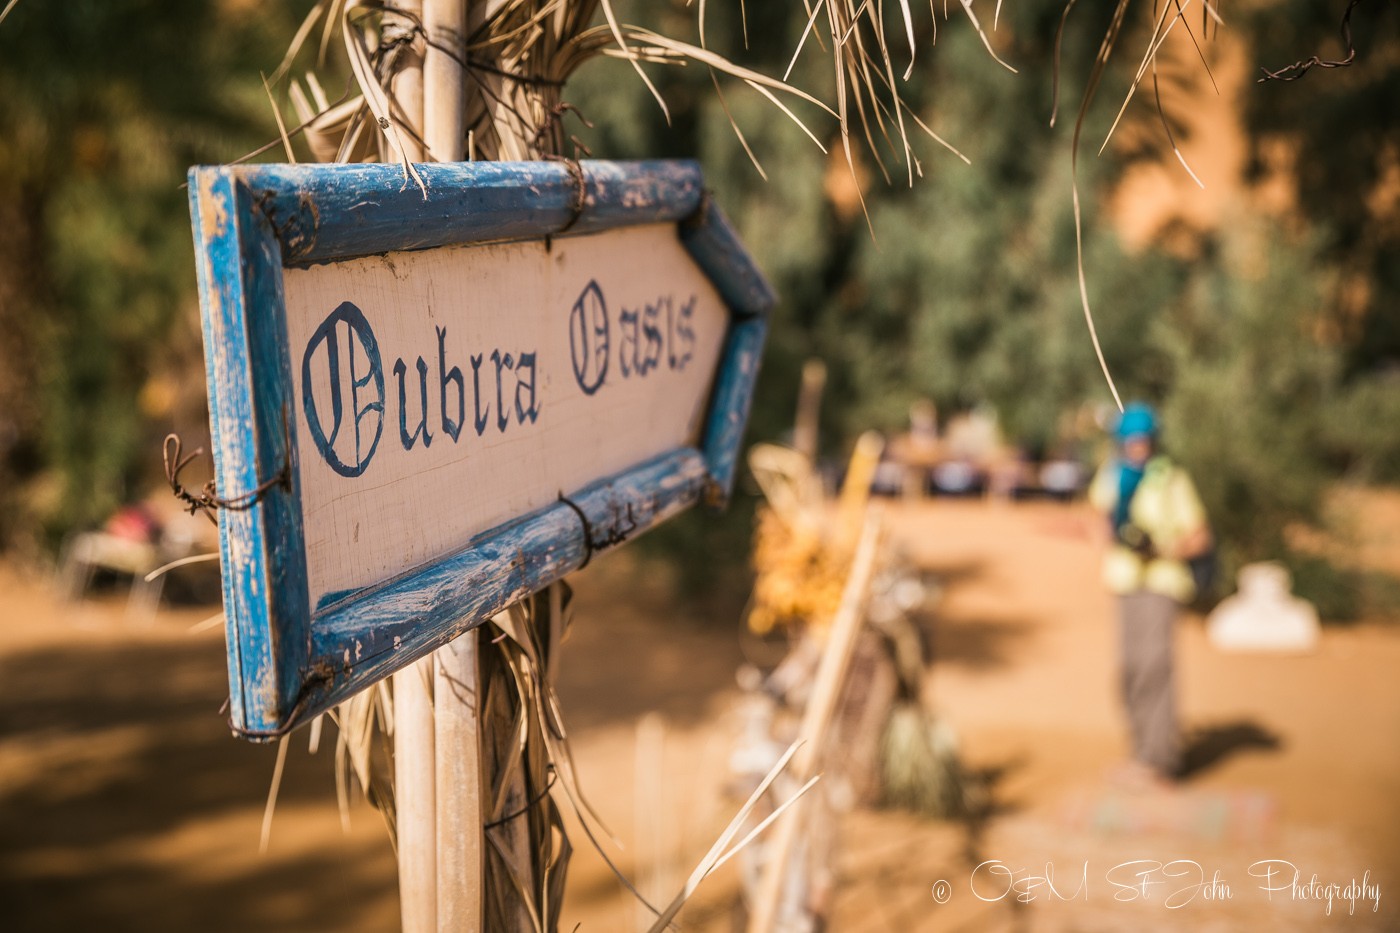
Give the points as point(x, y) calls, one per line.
point(975, 457)
point(135, 522)
point(1155, 525)
point(1078, 444)
point(918, 450)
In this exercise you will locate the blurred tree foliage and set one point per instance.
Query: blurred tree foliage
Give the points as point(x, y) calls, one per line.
point(103, 105)
point(1269, 341)
point(964, 289)
point(1335, 136)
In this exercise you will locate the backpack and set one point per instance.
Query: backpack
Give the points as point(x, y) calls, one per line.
point(1204, 567)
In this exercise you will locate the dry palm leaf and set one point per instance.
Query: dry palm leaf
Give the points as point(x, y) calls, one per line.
point(1096, 74)
point(516, 57)
point(722, 851)
point(519, 54)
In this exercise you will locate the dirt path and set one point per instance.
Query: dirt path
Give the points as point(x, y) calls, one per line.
point(1293, 759)
point(124, 804)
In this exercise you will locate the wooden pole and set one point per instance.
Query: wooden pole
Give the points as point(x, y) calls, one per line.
point(444, 105)
point(455, 694)
point(458, 792)
point(816, 721)
point(414, 743)
point(809, 406)
point(406, 85)
point(414, 783)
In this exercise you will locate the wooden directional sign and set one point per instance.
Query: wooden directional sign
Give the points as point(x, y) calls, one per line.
point(463, 390)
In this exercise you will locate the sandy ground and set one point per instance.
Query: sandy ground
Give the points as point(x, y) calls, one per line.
point(124, 803)
point(1291, 759)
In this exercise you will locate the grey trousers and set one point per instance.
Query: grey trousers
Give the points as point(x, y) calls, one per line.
point(1145, 623)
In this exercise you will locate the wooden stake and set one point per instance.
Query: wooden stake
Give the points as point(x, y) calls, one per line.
point(414, 778)
point(458, 792)
point(414, 744)
point(444, 106)
point(809, 406)
point(816, 721)
point(456, 738)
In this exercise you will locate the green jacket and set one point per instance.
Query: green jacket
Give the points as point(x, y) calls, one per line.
point(1167, 507)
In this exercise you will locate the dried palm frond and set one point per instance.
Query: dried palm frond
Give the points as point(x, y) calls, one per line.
point(722, 850)
point(515, 57)
point(518, 54)
point(920, 769)
point(1106, 48)
point(364, 720)
point(528, 850)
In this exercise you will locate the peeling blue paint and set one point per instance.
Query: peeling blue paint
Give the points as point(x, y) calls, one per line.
point(287, 664)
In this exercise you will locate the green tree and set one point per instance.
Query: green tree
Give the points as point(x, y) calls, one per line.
point(964, 288)
point(102, 108)
point(1333, 138)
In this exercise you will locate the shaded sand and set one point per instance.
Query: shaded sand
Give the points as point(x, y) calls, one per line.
point(125, 805)
point(1290, 759)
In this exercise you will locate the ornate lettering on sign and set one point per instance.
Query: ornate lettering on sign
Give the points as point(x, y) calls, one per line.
point(421, 431)
point(346, 458)
point(658, 335)
point(452, 427)
point(589, 340)
point(515, 390)
point(655, 330)
point(436, 408)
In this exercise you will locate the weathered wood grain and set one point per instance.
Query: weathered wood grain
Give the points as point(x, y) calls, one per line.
point(308, 624)
point(326, 212)
point(249, 383)
point(502, 373)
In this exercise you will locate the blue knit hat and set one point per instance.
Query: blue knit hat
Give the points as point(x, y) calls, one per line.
point(1137, 419)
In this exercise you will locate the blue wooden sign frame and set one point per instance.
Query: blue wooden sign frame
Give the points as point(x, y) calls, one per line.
point(286, 663)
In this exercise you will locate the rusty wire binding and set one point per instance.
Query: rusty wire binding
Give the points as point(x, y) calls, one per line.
point(534, 802)
point(615, 535)
point(580, 186)
point(1298, 69)
point(554, 120)
point(208, 501)
point(314, 678)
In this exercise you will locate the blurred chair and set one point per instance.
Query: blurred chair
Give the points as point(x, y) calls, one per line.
point(957, 478)
point(1062, 479)
point(132, 543)
point(914, 454)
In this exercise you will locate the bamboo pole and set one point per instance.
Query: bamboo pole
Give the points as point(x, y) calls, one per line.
point(458, 791)
point(457, 748)
point(406, 85)
point(816, 720)
point(414, 741)
point(809, 405)
point(414, 780)
point(444, 104)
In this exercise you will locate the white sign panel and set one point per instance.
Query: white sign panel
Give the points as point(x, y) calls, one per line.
point(440, 393)
point(428, 403)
